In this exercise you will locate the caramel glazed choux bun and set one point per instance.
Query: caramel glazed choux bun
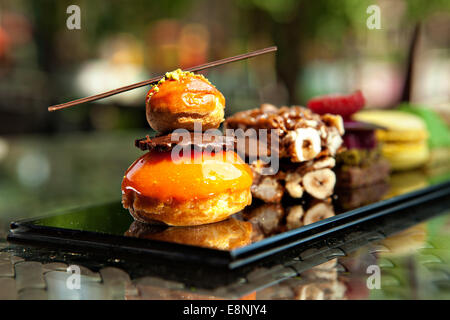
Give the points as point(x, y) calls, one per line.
point(198, 188)
point(191, 188)
point(181, 99)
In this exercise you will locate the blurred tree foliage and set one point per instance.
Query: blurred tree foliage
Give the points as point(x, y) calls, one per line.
point(290, 23)
point(303, 30)
point(419, 10)
point(99, 19)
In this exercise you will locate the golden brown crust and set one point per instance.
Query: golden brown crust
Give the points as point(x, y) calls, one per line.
point(185, 213)
point(224, 235)
point(166, 121)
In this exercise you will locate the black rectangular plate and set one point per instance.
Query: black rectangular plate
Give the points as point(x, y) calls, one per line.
point(102, 227)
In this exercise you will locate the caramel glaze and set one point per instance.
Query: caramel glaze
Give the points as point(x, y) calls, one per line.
point(192, 93)
point(196, 176)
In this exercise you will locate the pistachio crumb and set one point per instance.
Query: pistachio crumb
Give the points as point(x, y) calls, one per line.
point(176, 75)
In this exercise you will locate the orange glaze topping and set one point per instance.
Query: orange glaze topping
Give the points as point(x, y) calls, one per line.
point(195, 176)
point(189, 93)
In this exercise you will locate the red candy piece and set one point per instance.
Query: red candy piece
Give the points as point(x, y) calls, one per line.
point(337, 104)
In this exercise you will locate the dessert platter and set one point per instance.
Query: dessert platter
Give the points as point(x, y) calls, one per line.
point(232, 191)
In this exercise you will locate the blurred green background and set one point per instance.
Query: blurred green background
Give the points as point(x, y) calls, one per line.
point(78, 156)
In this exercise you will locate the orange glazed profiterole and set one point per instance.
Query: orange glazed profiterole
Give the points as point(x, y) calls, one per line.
point(182, 98)
point(196, 189)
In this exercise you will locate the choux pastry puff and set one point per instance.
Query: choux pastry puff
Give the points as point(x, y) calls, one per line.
point(182, 98)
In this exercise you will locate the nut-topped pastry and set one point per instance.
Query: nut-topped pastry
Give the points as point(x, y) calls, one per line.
point(182, 98)
point(303, 135)
point(307, 144)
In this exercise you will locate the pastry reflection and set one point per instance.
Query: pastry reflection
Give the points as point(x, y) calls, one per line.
point(318, 210)
point(265, 219)
point(258, 222)
point(269, 219)
point(153, 289)
point(352, 198)
point(406, 242)
point(318, 283)
point(392, 254)
point(407, 181)
point(225, 235)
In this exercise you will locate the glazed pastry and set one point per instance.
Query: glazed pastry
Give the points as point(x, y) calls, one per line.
point(182, 98)
point(186, 178)
point(404, 141)
point(197, 188)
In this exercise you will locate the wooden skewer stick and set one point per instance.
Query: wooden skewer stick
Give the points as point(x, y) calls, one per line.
point(156, 79)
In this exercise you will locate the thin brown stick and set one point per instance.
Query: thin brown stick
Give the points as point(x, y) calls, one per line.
point(156, 79)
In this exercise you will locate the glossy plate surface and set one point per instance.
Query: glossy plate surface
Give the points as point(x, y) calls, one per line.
point(261, 230)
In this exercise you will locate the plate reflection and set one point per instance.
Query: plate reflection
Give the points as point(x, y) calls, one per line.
point(260, 220)
point(225, 235)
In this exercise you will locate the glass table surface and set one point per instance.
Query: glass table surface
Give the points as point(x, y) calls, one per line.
point(411, 255)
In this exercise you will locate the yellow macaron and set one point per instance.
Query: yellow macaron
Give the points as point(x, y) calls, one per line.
point(405, 155)
point(404, 141)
